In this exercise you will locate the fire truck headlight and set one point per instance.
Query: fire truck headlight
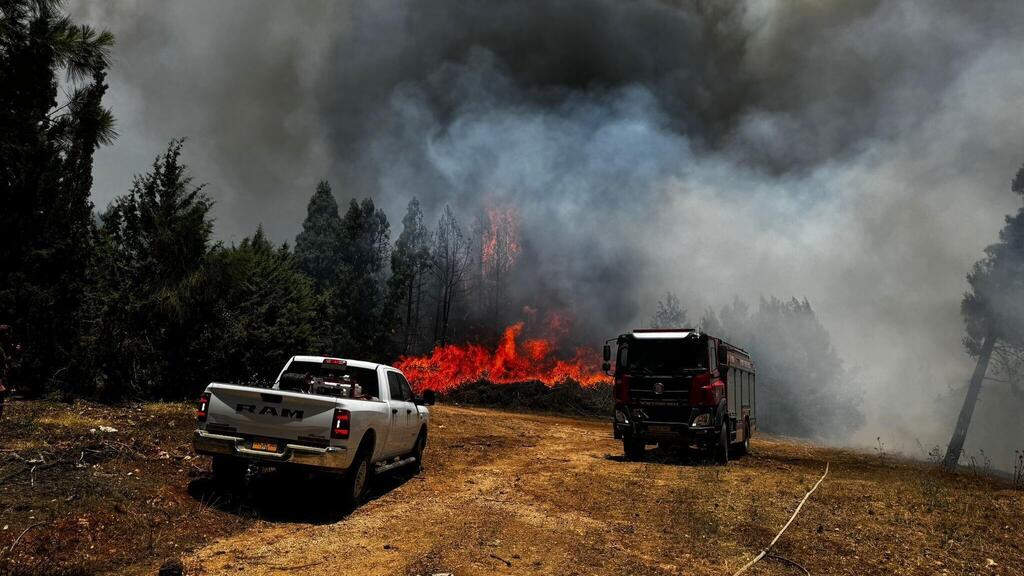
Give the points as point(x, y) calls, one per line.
point(702, 420)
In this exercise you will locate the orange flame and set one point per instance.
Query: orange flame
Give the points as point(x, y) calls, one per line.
point(500, 242)
point(449, 367)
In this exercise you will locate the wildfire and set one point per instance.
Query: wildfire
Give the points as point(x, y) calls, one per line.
point(448, 367)
point(500, 242)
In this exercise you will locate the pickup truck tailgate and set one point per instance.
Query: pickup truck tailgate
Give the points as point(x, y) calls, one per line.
point(270, 413)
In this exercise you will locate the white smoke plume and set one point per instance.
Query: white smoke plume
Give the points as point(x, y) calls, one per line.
point(856, 153)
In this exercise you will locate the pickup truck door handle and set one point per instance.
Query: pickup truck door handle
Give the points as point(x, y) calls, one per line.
point(394, 410)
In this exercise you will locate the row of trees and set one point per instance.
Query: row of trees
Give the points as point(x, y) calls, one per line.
point(140, 301)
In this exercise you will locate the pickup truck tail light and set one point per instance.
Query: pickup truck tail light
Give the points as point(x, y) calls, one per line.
point(342, 424)
point(203, 407)
point(620, 390)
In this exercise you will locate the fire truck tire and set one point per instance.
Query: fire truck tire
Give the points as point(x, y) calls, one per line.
point(744, 446)
point(721, 448)
point(633, 448)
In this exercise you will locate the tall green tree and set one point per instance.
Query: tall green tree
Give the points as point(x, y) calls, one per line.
point(410, 261)
point(993, 312)
point(266, 311)
point(46, 155)
point(358, 326)
point(152, 300)
point(318, 248)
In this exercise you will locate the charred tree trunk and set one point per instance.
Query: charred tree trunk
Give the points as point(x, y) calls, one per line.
point(956, 444)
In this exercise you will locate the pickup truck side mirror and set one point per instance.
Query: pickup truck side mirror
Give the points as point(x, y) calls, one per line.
point(429, 397)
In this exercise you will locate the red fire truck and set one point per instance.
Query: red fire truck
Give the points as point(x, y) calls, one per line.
point(682, 387)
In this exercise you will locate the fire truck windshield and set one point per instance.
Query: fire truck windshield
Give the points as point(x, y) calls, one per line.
point(662, 357)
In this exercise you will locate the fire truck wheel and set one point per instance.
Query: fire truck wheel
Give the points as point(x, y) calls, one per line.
point(633, 448)
point(721, 448)
point(744, 446)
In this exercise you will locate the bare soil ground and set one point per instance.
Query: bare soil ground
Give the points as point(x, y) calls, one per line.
point(501, 493)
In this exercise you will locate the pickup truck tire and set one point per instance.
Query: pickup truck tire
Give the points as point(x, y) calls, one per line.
point(721, 448)
point(356, 480)
point(228, 471)
point(633, 448)
point(417, 451)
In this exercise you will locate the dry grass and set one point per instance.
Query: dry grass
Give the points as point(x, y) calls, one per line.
point(501, 493)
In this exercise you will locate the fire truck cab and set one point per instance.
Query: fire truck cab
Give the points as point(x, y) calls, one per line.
point(682, 387)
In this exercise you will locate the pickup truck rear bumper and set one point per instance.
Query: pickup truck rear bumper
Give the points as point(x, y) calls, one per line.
point(331, 457)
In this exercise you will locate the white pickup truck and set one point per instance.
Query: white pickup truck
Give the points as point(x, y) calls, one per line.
point(329, 414)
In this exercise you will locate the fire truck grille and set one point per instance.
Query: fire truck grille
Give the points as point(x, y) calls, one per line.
point(661, 400)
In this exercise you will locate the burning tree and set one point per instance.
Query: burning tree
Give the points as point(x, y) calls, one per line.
point(994, 315)
point(499, 250)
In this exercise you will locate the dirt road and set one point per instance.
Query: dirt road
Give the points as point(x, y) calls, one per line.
point(509, 493)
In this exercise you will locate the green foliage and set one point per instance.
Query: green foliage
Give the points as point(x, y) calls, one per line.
point(318, 248)
point(355, 324)
point(409, 262)
point(995, 302)
point(803, 389)
point(46, 154)
point(152, 300)
point(266, 311)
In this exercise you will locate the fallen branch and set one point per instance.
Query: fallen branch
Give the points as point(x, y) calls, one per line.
point(771, 544)
point(507, 562)
point(785, 560)
point(23, 532)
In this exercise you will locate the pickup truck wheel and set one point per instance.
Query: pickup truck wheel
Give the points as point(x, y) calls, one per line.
point(356, 481)
point(417, 452)
point(721, 448)
point(228, 471)
point(633, 448)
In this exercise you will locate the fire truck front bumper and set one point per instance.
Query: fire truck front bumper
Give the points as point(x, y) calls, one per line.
point(655, 431)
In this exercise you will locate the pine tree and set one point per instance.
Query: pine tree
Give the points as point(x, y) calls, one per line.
point(993, 312)
point(318, 248)
point(669, 313)
point(266, 311)
point(46, 154)
point(409, 262)
point(152, 299)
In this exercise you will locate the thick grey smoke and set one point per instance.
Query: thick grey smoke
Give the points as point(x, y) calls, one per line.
point(857, 153)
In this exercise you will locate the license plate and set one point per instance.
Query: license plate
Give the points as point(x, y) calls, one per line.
point(264, 446)
point(659, 429)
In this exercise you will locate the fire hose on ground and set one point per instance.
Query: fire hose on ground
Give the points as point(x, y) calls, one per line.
point(767, 550)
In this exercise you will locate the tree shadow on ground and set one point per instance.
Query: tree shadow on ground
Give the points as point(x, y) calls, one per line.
point(288, 496)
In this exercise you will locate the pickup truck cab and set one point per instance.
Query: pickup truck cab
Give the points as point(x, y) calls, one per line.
point(334, 415)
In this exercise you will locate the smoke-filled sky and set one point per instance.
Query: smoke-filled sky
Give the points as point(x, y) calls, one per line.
point(854, 152)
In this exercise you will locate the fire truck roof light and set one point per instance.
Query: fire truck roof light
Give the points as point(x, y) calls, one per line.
point(661, 334)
